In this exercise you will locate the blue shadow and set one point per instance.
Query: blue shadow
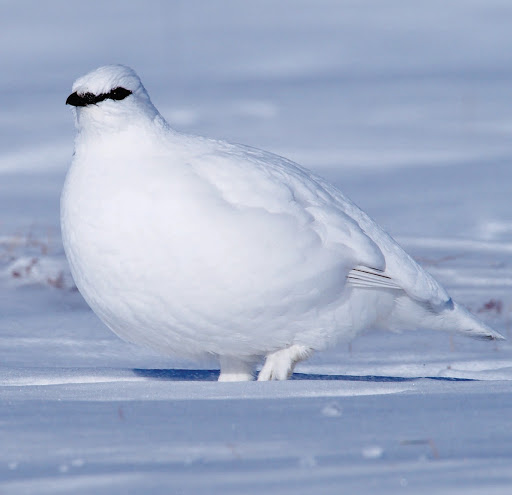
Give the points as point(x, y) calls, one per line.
point(213, 375)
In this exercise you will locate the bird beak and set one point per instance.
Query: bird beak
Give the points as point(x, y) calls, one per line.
point(76, 100)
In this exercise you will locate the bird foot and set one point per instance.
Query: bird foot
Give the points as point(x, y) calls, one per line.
point(234, 369)
point(279, 365)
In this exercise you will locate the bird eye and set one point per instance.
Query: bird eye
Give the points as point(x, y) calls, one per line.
point(119, 93)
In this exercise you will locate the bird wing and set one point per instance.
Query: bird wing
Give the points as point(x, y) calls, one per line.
point(249, 177)
point(253, 179)
point(370, 278)
point(401, 268)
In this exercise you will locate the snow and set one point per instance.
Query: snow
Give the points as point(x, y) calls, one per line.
point(406, 108)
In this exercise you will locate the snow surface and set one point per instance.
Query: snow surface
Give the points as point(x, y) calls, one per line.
point(406, 107)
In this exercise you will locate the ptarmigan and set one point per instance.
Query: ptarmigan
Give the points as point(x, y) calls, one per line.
point(195, 247)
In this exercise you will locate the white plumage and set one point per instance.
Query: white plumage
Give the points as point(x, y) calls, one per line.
point(195, 247)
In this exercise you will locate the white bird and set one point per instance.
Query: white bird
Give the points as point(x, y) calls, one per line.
point(197, 247)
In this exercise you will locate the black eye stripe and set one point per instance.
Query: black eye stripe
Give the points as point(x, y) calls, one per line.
point(82, 100)
point(119, 93)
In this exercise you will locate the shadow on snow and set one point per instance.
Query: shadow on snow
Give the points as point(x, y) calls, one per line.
point(213, 375)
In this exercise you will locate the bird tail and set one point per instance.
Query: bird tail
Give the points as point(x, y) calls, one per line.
point(452, 318)
point(470, 325)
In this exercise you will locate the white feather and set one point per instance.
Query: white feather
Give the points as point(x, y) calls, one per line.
point(195, 246)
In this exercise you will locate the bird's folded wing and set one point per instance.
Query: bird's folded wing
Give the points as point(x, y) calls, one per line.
point(370, 278)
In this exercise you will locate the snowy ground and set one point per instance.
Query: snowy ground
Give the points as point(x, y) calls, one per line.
point(404, 105)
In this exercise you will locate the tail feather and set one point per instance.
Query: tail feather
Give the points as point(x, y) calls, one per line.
point(471, 326)
point(409, 314)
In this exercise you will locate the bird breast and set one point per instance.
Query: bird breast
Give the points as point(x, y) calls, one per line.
point(168, 238)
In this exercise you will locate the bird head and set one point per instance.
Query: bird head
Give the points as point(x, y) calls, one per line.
point(112, 95)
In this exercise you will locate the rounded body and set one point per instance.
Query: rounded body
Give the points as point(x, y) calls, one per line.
point(194, 246)
point(167, 259)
